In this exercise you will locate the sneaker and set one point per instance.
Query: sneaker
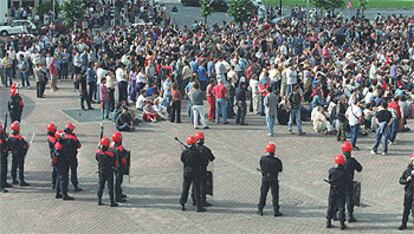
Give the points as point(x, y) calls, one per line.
point(302, 133)
point(270, 134)
point(383, 153)
point(226, 122)
point(373, 152)
point(206, 127)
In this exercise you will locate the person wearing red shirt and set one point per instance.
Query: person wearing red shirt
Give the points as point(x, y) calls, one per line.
point(220, 92)
point(396, 121)
point(211, 100)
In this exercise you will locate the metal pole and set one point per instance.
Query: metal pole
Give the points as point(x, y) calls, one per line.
point(280, 7)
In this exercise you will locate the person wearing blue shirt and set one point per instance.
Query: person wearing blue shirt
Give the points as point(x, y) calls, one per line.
point(92, 82)
point(202, 77)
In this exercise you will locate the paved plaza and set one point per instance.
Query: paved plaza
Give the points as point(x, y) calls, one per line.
point(155, 186)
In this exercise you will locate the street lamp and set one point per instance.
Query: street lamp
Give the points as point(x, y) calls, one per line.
point(280, 7)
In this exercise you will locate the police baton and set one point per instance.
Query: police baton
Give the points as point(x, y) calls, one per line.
point(183, 146)
point(102, 131)
point(327, 181)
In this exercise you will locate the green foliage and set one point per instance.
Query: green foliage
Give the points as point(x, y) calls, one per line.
point(205, 8)
point(329, 4)
point(44, 8)
point(363, 4)
point(240, 10)
point(72, 11)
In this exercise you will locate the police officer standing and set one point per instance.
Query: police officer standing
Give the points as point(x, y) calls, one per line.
point(351, 165)
point(206, 157)
point(121, 166)
point(4, 152)
point(18, 147)
point(71, 147)
point(191, 159)
point(407, 179)
point(106, 163)
point(15, 105)
point(51, 141)
point(61, 159)
point(338, 178)
point(270, 167)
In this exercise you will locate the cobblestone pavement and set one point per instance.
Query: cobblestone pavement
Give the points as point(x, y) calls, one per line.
point(156, 177)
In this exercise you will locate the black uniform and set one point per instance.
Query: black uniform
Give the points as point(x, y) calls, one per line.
point(241, 94)
point(84, 97)
point(67, 159)
point(51, 141)
point(4, 152)
point(409, 194)
point(18, 147)
point(120, 170)
point(192, 160)
point(73, 143)
point(338, 178)
point(351, 165)
point(106, 163)
point(15, 106)
point(270, 167)
point(206, 157)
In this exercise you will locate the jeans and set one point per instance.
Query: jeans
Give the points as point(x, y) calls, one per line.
point(105, 109)
point(198, 111)
point(381, 133)
point(92, 91)
point(24, 78)
point(221, 107)
point(262, 107)
point(295, 114)
point(354, 134)
point(289, 89)
point(270, 122)
point(394, 130)
point(7, 78)
point(230, 104)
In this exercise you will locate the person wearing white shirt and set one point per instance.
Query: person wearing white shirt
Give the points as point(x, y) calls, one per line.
point(121, 78)
point(291, 78)
point(141, 100)
point(354, 116)
point(254, 87)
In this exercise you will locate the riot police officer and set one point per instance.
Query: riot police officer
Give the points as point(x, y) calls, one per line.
point(18, 148)
point(71, 147)
point(15, 105)
point(121, 165)
point(4, 151)
point(270, 167)
point(407, 179)
point(61, 160)
point(206, 157)
point(351, 165)
point(51, 141)
point(106, 163)
point(338, 178)
point(191, 159)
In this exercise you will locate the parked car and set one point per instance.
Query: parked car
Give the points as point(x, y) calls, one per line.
point(218, 5)
point(15, 27)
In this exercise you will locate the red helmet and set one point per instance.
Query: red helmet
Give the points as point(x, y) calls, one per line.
point(200, 135)
point(15, 126)
point(70, 126)
point(346, 147)
point(117, 137)
point(1, 128)
point(191, 140)
point(105, 142)
point(271, 148)
point(58, 134)
point(340, 159)
point(14, 86)
point(13, 92)
point(51, 127)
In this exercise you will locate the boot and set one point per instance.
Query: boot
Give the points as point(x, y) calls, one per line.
point(328, 223)
point(201, 210)
point(343, 226)
point(77, 189)
point(120, 200)
point(124, 196)
point(260, 212)
point(58, 195)
point(114, 204)
point(15, 182)
point(402, 227)
point(3, 190)
point(100, 203)
point(351, 219)
point(183, 207)
point(23, 183)
point(277, 214)
point(7, 185)
point(67, 198)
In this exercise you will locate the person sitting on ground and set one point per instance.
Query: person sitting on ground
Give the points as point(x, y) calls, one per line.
point(149, 113)
point(160, 110)
point(141, 100)
point(124, 122)
point(320, 122)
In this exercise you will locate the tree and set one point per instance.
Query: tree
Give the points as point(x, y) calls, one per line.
point(240, 10)
point(72, 11)
point(329, 4)
point(206, 9)
point(363, 6)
